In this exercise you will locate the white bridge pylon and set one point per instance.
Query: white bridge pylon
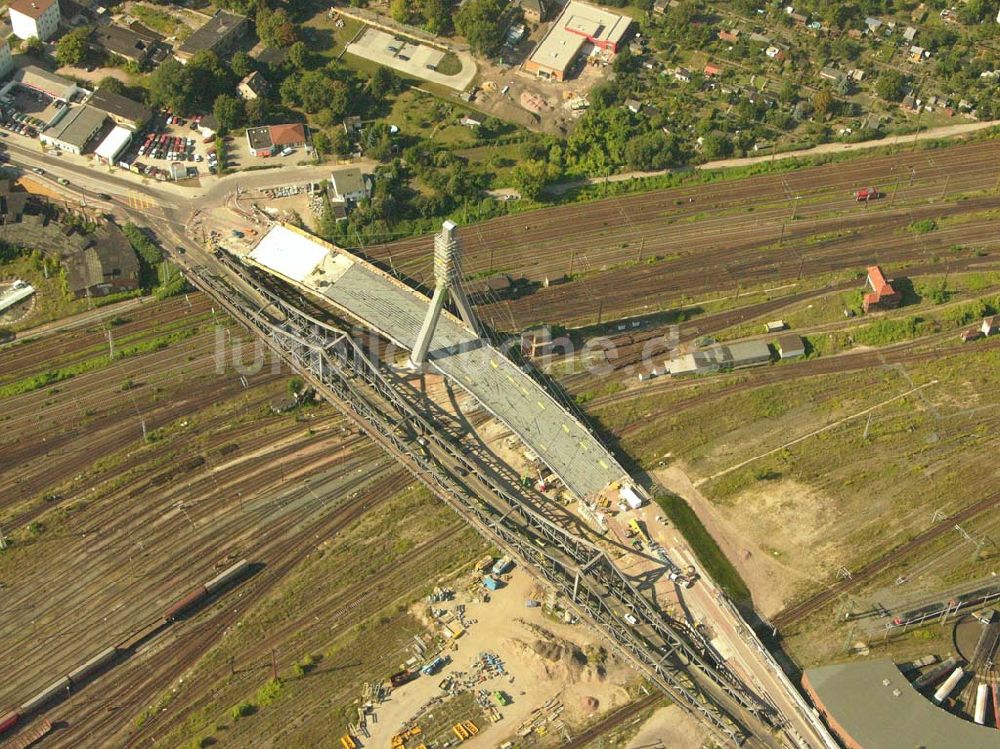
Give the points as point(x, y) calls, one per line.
point(447, 282)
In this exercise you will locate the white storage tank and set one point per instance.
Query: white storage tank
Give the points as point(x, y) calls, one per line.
point(981, 691)
point(949, 685)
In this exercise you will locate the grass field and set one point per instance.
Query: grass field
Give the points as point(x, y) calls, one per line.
point(839, 496)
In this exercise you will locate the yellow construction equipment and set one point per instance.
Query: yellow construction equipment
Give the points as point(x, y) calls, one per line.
point(471, 727)
point(347, 742)
point(415, 731)
point(637, 529)
point(397, 741)
point(460, 731)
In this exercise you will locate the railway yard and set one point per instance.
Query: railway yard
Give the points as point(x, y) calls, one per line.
point(852, 489)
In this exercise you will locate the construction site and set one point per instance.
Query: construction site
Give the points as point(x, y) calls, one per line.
point(331, 498)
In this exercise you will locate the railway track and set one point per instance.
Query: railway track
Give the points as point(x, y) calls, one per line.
point(282, 541)
point(612, 721)
point(795, 613)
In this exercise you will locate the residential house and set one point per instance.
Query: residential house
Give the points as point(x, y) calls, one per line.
point(712, 70)
point(252, 86)
point(729, 36)
point(799, 19)
point(219, 34)
point(124, 43)
point(633, 105)
point(12, 203)
point(108, 265)
point(873, 24)
point(349, 185)
point(683, 75)
point(909, 34)
point(661, 6)
point(34, 18)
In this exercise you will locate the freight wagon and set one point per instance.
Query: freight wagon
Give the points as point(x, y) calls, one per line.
point(81, 673)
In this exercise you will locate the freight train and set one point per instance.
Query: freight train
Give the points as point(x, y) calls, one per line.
point(81, 674)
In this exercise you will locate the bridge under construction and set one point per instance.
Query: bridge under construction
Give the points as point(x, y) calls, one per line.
point(394, 310)
point(343, 290)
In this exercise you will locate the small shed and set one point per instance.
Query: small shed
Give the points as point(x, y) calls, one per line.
point(970, 334)
point(790, 346)
point(775, 326)
point(991, 325)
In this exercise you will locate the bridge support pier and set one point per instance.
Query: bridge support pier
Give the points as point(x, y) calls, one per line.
point(447, 282)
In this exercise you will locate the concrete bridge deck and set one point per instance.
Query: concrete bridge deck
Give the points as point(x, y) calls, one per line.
point(396, 311)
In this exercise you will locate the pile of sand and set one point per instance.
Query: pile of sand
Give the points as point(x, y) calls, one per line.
point(557, 659)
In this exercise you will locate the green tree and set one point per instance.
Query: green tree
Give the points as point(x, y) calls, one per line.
point(789, 93)
point(482, 24)
point(530, 178)
point(228, 111)
point(299, 56)
point(111, 85)
point(322, 142)
point(318, 91)
point(275, 28)
point(241, 64)
point(289, 91)
point(822, 102)
point(256, 111)
point(340, 144)
point(437, 16)
point(891, 85)
point(72, 48)
point(400, 11)
point(383, 82)
point(716, 146)
point(169, 85)
point(33, 46)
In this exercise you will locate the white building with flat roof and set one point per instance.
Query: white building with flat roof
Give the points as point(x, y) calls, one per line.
point(34, 18)
point(578, 24)
point(112, 146)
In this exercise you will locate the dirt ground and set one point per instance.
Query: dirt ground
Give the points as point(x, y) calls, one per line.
point(532, 102)
point(537, 668)
point(755, 542)
point(670, 728)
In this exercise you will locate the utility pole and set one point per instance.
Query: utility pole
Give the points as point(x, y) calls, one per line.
point(111, 346)
point(274, 664)
point(572, 258)
point(945, 188)
point(642, 242)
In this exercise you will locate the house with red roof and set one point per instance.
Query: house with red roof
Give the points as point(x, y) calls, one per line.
point(882, 295)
